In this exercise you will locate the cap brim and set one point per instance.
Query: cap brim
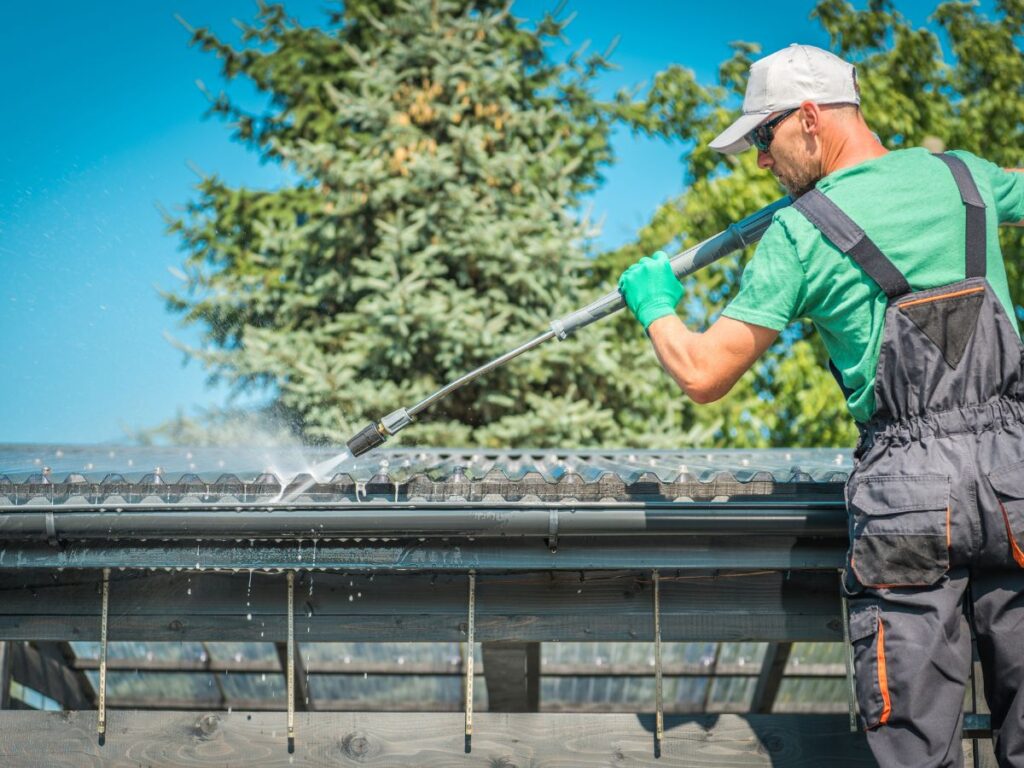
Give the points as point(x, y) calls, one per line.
point(734, 138)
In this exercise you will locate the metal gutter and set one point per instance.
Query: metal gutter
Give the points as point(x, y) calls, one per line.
point(728, 518)
point(434, 555)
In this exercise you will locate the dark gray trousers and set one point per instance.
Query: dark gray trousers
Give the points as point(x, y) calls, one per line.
point(926, 654)
point(937, 544)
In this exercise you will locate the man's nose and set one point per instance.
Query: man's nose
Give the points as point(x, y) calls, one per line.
point(764, 160)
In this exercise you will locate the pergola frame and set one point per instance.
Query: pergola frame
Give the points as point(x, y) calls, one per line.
point(668, 571)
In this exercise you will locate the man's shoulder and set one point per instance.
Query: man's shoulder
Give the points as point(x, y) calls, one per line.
point(790, 227)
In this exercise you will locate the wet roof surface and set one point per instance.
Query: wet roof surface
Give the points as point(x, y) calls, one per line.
point(137, 475)
point(114, 463)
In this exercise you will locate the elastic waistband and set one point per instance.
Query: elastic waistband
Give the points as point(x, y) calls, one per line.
point(992, 414)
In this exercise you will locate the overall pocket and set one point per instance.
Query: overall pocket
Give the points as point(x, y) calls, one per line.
point(900, 530)
point(1008, 483)
point(867, 635)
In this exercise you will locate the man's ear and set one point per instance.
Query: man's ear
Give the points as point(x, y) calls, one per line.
point(810, 118)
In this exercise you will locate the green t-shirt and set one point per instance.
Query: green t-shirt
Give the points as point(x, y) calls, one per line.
point(908, 204)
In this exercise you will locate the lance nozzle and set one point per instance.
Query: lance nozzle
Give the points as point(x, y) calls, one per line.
point(374, 434)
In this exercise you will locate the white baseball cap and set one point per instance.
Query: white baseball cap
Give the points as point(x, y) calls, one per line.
point(784, 80)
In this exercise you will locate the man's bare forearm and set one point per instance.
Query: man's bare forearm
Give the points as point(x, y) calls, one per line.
point(707, 365)
point(678, 351)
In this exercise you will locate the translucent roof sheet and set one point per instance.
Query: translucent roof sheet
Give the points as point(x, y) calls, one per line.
point(96, 463)
point(118, 476)
point(428, 676)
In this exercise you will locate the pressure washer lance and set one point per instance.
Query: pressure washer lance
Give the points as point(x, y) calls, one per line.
point(737, 236)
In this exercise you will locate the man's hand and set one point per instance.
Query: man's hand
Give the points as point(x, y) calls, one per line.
point(650, 288)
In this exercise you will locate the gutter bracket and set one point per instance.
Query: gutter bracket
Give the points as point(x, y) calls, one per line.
point(659, 706)
point(552, 539)
point(851, 690)
point(51, 529)
point(290, 661)
point(470, 651)
point(101, 707)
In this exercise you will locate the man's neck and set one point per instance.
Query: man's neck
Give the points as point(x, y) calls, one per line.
point(849, 148)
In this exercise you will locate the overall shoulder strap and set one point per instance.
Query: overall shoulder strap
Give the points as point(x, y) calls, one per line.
point(975, 208)
point(849, 238)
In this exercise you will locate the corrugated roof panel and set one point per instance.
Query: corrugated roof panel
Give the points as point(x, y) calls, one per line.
point(98, 475)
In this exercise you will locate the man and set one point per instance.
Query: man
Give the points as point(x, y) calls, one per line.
point(894, 257)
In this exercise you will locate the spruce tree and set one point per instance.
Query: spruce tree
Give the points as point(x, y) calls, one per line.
point(440, 157)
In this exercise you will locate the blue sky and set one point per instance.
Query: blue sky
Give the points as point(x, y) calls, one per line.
point(102, 120)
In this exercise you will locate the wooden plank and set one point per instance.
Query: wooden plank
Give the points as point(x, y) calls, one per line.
point(512, 673)
point(419, 607)
point(776, 657)
point(199, 739)
point(533, 664)
point(390, 704)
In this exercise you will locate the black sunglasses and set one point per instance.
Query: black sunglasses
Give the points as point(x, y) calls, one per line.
point(761, 137)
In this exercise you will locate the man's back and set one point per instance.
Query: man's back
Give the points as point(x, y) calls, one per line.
point(908, 204)
point(936, 495)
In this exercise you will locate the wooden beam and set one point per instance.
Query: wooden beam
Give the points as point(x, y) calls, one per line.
point(5, 674)
point(419, 607)
point(390, 704)
point(776, 656)
point(512, 673)
point(198, 739)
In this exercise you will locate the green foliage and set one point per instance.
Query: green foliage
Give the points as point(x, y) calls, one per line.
point(439, 156)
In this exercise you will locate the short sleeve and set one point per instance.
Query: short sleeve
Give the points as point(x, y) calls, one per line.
point(1007, 187)
point(773, 283)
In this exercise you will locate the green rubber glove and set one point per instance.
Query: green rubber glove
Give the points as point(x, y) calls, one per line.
point(650, 289)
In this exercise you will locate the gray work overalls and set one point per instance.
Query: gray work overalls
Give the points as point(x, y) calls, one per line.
point(936, 505)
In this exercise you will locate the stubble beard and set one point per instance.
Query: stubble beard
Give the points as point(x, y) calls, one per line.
point(798, 182)
point(801, 173)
